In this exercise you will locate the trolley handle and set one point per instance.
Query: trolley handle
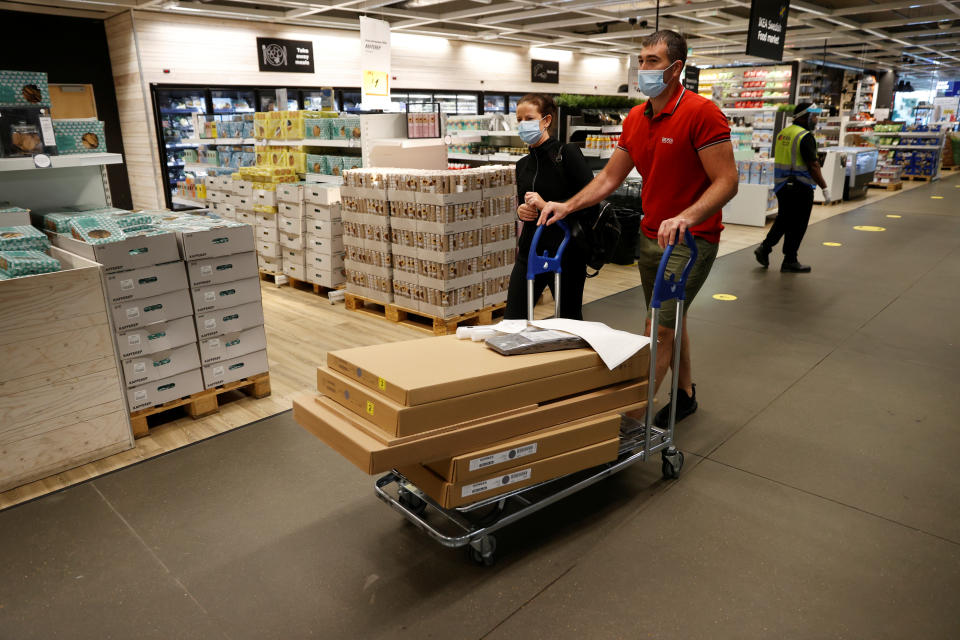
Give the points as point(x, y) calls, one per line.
point(664, 289)
point(545, 263)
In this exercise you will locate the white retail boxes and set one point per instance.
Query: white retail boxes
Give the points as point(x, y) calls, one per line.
point(291, 209)
point(135, 314)
point(160, 336)
point(321, 193)
point(245, 217)
point(146, 282)
point(269, 249)
point(165, 390)
point(268, 234)
point(267, 263)
point(222, 269)
point(235, 369)
point(296, 270)
point(231, 320)
point(290, 192)
point(226, 294)
point(216, 241)
point(297, 226)
point(323, 261)
point(163, 364)
point(243, 188)
point(265, 197)
point(329, 278)
point(326, 228)
point(322, 244)
point(131, 253)
point(267, 220)
point(326, 212)
point(232, 345)
point(293, 255)
point(292, 241)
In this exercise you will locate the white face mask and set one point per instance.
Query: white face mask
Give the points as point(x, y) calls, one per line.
point(651, 82)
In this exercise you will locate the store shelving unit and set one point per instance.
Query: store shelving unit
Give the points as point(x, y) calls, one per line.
point(70, 179)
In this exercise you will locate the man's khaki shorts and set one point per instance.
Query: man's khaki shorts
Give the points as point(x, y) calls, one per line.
point(649, 254)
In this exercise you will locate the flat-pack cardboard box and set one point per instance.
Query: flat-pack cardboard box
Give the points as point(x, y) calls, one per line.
point(324, 228)
point(321, 193)
point(372, 451)
point(234, 369)
point(232, 345)
point(326, 278)
point(326, 212)
point(291, 209)
point(217, 323)
point(222, 269)
point(165, 390)
point(212, 243)
point(153, 338)
point(268, 234)
point(269, 249)
point(448, 367)
point(131, 253)
point(456, 494)
point(146, 282)
point(268, 263)
point(226, 294)
point(400, 420)
point(532, 447)
point(134, 314)
point(163, 364)
point(321, 244)
point(323, 261)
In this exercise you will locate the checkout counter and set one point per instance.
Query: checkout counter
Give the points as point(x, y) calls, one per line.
point(847, 170)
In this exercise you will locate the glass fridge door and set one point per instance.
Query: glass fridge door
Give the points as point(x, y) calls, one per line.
point(495, 103)
point(232, 101)
point(268, 100)
point(313, 101)
point(175, 109)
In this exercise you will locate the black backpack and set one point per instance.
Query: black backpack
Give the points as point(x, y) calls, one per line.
point(596, 234)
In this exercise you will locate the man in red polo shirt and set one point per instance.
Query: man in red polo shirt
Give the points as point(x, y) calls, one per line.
point(680, 144)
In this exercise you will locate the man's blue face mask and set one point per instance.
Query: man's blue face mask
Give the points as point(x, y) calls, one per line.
point(651, 83)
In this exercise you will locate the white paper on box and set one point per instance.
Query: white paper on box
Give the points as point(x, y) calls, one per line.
point(495, 483)
point(321, 194)
point(503, 456)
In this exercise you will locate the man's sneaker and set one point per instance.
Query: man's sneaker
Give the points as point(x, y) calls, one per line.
point(686, 405)
point(763, 255)
point(794, 267)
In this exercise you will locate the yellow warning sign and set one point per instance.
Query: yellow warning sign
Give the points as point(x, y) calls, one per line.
point(893, 215)
point(832, 244)
point(869, 228)
point(724, 296)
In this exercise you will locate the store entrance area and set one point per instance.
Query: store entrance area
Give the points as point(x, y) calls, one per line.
point(819, 491)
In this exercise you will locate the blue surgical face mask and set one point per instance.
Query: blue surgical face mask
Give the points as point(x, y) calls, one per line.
point(651, 82)
point(529, 131)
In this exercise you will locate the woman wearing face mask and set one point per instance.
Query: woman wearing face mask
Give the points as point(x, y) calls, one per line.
point(551, 171)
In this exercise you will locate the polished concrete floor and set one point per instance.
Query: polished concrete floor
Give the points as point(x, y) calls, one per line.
point(820, 497)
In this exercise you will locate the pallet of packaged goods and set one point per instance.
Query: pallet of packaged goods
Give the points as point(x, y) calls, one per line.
point(417, 320)
point(889, 186)
point(468, 418)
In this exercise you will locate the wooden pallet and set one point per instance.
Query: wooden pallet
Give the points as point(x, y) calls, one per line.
point(889, 186)
point(919, 178)
point(318, 289)
point(274, 277)
point(203, 403)
point(419, 320)
point(953, 167)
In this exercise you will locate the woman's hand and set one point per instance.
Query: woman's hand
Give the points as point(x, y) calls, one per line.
point(533, 199)
point(527, 213)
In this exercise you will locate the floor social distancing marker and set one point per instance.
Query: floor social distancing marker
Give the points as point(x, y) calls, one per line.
point(869, 228)
point(893, 215)
point(833, 244)
point(936, 197)
point(724, 296)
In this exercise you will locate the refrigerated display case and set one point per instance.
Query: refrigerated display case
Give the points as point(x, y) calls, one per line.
point(174, 110)
point(268, 100)
point(861, 165)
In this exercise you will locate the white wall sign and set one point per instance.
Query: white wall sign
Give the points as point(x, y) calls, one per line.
point(375, 63)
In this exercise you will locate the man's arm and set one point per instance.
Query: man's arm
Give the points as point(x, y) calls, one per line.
point(606, 182)
point(817, 175)
point(721, 168)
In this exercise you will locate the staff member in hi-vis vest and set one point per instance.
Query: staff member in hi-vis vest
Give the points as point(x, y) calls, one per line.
point(796, 175)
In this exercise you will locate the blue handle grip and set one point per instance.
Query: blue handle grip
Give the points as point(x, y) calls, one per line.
point(664, 289)
point(544, 263)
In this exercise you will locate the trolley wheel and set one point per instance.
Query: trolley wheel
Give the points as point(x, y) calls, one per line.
point(483, 550)
point(672, 463)
point(412, 502)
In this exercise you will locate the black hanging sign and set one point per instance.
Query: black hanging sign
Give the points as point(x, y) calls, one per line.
point(291, 56)
point(545, 71)
point(691, 78)
point(768, 28)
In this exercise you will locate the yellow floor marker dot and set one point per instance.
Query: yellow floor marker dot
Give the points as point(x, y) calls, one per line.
point(893, 215)
point(936, 197)
point(724, 296)
point(832, 244)
point(869, 228)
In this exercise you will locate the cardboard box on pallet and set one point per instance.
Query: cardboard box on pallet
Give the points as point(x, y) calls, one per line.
point(292, 241)
point(232, 345)
point(323, 261)
point(131, 253)
point(455, 494)
point(326, 212)
point(211, 324)
point(134, 314)
point(146, 282)
point(268, 234)
point(401, 420)
point(321, 244)
point(235, 369)
point(295, 270)
point(165, 390)
point(164, 364)
point(269, 263)
point(291, 226)
point(372, 451)
point(228, 239)
point(330, 278)
point(291, 209)
point(226, 294)
point(222, 269)
point(153, 338)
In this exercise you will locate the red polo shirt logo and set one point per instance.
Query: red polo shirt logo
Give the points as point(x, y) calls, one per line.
point(665, 148)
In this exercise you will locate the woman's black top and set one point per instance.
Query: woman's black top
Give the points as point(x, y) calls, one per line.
point(557, 172)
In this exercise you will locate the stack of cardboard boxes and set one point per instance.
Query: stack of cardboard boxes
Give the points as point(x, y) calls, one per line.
point(438, 242)
point(322, 236)
point(466, 423)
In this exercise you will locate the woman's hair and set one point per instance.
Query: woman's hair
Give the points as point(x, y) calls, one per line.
point(545, 106)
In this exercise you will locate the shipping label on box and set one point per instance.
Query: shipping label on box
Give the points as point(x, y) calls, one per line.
point(219, 241)
point(226, 294)
point(222, 269)
point(322, 244)
point(291, 225)
point(165, 390)
point(291, 209)
point(235, 369)
point(323, 212)
point(163, 364)
point(216, 323)
point(323, 228)
point(269, 249)
point(323, 261)
point(161, 336)
point(232, 345)
point(146, 282)
point(267, 234)
point(138, 313)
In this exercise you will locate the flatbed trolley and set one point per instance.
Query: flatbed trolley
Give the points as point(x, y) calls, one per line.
point(473, 525)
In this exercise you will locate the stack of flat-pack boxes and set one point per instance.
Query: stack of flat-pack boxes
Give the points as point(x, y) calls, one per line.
point(149, 299)
point(311, 233)
point(226, 196)
point(228, 312)
point(253, 194)
point(452, 237)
